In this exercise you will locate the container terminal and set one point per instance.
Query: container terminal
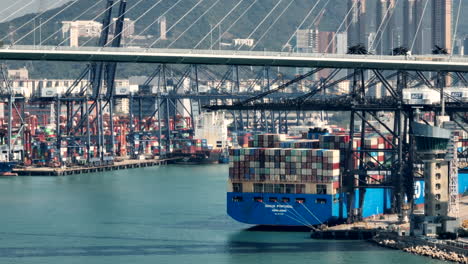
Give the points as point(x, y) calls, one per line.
point(401, 154)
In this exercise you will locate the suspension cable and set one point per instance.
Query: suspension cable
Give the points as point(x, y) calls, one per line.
point(45, 22)
point(219, 23)
point(137, 19)
point(342, 23)
point(16, 11)
point(111, 23)
point(456, 25)
point(261, 23)
point(303, 22)
point(94, 18)
point(272, 24)
point(385, 28)
point(178, 21)
point(220, 37)
point(193, 23)
point(27, 22)
point(419, 25)
point(77, 17)
point(380, 31)
point(155, 21)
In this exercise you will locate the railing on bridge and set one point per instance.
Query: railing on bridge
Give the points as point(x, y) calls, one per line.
point(422, 58)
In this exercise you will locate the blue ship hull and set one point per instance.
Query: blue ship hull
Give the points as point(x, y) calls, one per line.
point(310, 209)
point(7, 166)
point(297, 209)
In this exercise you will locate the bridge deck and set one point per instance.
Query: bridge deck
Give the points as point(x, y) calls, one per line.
point(220, 57)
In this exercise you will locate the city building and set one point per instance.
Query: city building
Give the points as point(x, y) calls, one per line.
point(356, 22)
point(18, 74)
point(341, 43)
point(80, 28)
point(442, 24)
point(465, 46)
point(128, 27)
point(306, 41)
point(385, 24)
point(412, 25)
point(163, 28)
point(314, 41)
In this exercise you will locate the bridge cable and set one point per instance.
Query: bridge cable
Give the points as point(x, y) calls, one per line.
point(271, 25)
point(303, 22)
point(13, 4)
point(380, 31)
point(94, 18)
point(27, 22)
point(419, 25)
point(342, 23)
point(219, 23)
point(137, 19)
point(45, 22)
point(232, 24)
point(77, 17)
point(16, 11)
point(178, 21)
point(154, 22)
point(261, 23)
point(456, 26)
point(193, 23)
point(113, 24)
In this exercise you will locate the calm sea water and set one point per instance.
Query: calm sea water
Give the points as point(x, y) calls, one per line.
point(173, 214)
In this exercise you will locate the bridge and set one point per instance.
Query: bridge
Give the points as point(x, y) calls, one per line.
point(264, 101)
point(224, 57)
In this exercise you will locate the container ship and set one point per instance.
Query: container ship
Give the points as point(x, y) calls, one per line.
point(209, 144)
point(284, 182)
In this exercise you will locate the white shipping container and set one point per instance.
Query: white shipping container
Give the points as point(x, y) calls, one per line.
point(420, 96)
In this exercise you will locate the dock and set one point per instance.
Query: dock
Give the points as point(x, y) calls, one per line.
point(118, 165)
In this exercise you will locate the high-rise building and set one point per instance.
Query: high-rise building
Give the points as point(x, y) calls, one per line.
point(80, 28)
point(385, 24)
point(306, 40)
point(356, 22)
point(442, 24)
point(413, 25)
point(341, 43)
point(128, 27)
point(163, 28)
point(315, 41)
point(465, 45)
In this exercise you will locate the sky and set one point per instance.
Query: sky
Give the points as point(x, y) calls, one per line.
point(16, 8)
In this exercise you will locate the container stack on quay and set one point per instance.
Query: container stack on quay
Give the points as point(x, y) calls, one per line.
point(243, 139)
point(41, 147)
point(191, 146)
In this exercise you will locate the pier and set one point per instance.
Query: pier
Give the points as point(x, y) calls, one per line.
point(120, 165)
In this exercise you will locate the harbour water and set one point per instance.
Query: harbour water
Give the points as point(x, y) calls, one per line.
point(171, 214)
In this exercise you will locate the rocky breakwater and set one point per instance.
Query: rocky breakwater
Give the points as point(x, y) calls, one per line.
point(416, 247)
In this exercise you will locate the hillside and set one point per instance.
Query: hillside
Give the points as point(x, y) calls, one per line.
point(275, 40)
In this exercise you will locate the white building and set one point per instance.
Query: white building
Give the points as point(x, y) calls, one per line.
point(163, 28)
point(80, 28)
point(244, 42)
point(18, 74)
point(342, 43)
point(128, 27)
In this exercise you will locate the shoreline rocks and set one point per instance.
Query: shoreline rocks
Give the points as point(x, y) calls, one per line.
point(422, 250)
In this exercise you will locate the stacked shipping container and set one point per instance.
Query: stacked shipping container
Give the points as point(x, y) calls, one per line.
point(272, 158)
point(288, 165)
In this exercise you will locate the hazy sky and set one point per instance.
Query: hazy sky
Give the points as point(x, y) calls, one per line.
point(34, 7)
